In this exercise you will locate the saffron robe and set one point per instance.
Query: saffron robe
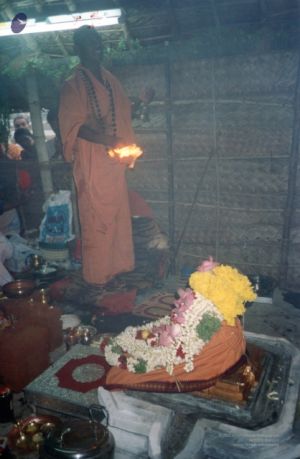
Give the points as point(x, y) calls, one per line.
point(107, 247)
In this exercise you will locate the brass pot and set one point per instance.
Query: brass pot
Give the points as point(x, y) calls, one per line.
point(34, 261)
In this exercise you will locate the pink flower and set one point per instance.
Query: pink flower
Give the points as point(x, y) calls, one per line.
point(165, 339)
point(167, 333)
point(207, 265)
point(175, 330)
point(186, 298)
point(177, 317)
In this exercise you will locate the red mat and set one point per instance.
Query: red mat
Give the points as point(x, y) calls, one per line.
point(68, 380)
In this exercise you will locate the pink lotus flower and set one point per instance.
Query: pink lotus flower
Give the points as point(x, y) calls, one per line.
point(186, 298)
point(207, 265)
point(167, 333)
point(175, 330)
point(178, 316)
point(165, 339)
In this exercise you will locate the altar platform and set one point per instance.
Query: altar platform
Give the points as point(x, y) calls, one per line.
point(181, 424)
point(81, 366)
point(158, 426)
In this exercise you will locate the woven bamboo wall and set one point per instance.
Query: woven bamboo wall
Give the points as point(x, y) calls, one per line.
point(222, 127)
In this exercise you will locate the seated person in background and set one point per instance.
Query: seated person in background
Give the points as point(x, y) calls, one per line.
point(9, 224)
point(25, 139)
point(54, 145)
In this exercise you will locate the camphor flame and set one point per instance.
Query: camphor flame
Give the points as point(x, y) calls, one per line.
point(14, 151)
point(129, 152)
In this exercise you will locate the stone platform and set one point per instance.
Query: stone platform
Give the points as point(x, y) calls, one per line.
point(181, 426)
point(183, 432)
point(47, 397)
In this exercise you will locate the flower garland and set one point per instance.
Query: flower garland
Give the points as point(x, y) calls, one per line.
point(169, 341)
point(218, 294)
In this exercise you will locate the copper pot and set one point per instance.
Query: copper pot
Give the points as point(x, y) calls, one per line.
point(19, 288)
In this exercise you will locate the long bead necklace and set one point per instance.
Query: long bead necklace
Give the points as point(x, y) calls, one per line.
point(94, 100)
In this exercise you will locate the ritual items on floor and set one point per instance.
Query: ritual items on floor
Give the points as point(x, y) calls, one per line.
point(69, 321)
point(199, 341)
point(28, 435)
point(80, 438)
point(83, 334)
point(19, 288)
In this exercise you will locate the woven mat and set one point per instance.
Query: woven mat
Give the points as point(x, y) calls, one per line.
point(157, 306)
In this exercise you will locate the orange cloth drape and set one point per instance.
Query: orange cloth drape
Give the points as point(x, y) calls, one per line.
point(107, 247)
point(224, 349)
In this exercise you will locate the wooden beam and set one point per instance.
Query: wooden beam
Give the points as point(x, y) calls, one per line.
point(38, 132)
point(170, 165)
point(174, 25)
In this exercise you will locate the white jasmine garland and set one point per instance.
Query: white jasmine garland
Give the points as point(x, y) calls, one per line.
point(184, 343)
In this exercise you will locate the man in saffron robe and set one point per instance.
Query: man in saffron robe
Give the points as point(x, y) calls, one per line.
point(95, 115)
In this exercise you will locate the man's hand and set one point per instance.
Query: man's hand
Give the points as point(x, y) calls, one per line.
point(93, 131)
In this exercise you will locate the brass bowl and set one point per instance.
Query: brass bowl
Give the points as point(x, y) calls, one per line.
point(19, 288)
point(28, 434)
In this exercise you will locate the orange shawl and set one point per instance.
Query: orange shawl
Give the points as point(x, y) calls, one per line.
point(221, 353)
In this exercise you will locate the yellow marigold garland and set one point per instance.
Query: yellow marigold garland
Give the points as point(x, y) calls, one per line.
point(226, 288)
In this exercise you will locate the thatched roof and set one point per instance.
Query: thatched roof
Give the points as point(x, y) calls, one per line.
point(153, 21)
point(149, 30)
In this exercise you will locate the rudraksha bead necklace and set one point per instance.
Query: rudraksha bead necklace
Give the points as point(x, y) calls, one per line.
point(94, 100)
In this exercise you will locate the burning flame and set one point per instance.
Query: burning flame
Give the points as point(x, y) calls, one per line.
point(14, 151)
point(130, 153)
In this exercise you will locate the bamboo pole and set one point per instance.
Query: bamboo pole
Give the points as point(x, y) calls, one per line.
point(292, 182)
point(38, 133)
point(170, 165)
